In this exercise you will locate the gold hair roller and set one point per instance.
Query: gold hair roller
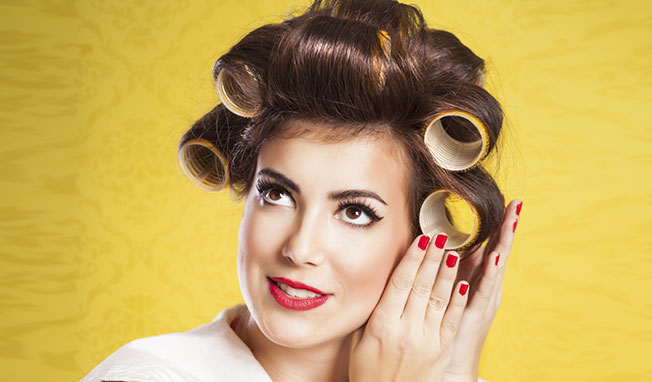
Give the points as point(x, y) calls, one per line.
point(237, 97)
point(457, 140)
point(433, 218)
point(203, 164)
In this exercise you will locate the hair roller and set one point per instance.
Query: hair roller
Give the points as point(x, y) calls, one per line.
point(465, 127)
point(456, 139)
point(434, 217)
point(238, 91)
point(240, 74)
point(204, 149)
point(363, 65)
point(484, 201)
point(479, 190)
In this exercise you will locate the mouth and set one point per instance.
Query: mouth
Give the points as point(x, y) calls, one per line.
point(295, 295)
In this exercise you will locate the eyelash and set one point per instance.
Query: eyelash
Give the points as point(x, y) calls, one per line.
point(264, 185)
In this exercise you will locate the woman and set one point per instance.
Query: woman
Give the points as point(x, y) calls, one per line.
point(334, 126)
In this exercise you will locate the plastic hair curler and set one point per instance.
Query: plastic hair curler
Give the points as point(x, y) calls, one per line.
point(238, 91)
point(457, 140)
point(434, 217)
point(205, 147)
point(203, 164)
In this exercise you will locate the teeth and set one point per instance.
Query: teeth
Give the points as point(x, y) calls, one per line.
point(297, 293)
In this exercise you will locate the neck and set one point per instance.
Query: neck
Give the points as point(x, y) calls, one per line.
point(327, 362)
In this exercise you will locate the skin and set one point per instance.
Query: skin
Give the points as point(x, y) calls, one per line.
point(306, 237)
point(409, 328)
point(485, 297)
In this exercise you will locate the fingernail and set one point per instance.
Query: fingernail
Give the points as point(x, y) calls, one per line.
point(451, 260)
point(497, 258)
point(463, 289)
point(423, 242)
point(514, 228)
point(503, 195)
point(518, 208)
point(440, 241)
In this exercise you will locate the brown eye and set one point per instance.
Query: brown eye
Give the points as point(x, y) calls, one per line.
point(353, 213)
point(275, 195)
point(278, 197)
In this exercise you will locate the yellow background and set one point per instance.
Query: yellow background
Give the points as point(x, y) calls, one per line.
point(103, 240)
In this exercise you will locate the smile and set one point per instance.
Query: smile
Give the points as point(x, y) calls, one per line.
point(295, 296)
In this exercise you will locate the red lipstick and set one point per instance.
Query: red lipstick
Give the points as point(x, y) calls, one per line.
point(289, 302)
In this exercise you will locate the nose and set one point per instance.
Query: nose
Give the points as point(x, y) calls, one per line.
point(303, 245)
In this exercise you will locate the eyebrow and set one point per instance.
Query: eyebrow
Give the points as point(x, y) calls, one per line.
point(284, 180)
point(336, 195)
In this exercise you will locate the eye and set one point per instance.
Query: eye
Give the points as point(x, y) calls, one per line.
point(355, 215)
point(277, 196)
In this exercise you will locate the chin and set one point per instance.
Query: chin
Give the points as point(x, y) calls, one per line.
point(293, 329)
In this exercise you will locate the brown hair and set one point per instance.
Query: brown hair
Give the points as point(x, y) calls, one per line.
point(363, 66)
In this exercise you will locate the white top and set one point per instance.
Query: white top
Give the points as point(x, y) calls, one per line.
point(211, 352)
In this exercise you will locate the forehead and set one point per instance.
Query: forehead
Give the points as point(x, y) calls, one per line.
point(371, 161)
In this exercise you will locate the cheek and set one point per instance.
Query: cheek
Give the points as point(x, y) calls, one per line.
point(367, 267)
point(260, 236)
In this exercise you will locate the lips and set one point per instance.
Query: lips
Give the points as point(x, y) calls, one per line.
point(296, 284)
point(295, 295)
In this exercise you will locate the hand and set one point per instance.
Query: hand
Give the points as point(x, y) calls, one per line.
point(409, 335)
point(484, 299)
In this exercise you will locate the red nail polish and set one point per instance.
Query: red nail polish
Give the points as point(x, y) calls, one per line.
point(497, 258)
point(451, 260)
point(440, 241)
point(503, 195)
point(514, 228)
point(518, 208)
point(463, 289)
point(423, 242)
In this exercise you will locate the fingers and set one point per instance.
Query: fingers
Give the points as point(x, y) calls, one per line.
point(441, 292)
point(504, 247)
point(453, 317)
point(508, 230)
point(486, 289)
point(417, 303)
point(395, 296)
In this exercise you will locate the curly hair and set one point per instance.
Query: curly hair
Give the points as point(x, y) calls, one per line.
point(363, 67)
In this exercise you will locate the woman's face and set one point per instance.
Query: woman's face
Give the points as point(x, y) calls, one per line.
point(332, 216)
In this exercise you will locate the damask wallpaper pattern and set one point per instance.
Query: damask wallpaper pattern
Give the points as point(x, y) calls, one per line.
point(104, 241)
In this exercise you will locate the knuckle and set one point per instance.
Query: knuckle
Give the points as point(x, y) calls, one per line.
point(402, 281)
point(421, 288)
point(437, 302)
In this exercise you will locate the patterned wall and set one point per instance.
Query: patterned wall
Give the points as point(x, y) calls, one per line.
point(104, 241)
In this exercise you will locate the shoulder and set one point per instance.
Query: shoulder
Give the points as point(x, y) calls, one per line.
point(133, 362)
point(209, 352)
